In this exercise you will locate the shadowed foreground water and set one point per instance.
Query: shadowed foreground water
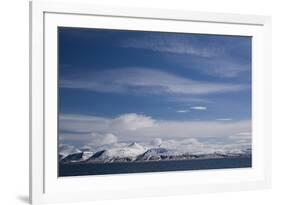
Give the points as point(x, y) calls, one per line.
point(80, 169)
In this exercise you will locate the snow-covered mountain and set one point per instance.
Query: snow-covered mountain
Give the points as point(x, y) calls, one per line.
point(139, 152)
point(127, 153)
point(66, 150)
point(77, 157)
point(157, 154)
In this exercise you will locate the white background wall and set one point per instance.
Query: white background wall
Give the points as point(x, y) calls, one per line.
point(14, 100)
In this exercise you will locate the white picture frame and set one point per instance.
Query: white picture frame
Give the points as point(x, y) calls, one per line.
point(46, 187)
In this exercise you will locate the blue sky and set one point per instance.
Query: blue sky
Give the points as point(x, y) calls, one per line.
point(157, 76)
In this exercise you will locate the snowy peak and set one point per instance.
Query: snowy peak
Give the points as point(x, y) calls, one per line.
point(77, 157)
point(72, 157)
point(157, 154)
point(135, 145)
point(66, 150)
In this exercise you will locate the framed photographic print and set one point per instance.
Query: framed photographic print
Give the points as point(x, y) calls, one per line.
point(129, 102)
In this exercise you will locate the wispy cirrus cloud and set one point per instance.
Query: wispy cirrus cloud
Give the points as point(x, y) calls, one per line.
point(147, 81)
point(224, 119)
point(214, 58)
point(223, 66)
point(183, 111)
point(170, 43)
point(198, 108)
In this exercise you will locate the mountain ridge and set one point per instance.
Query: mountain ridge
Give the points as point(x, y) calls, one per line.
point(134, 152)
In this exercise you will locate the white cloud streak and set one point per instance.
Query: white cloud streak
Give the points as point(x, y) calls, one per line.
point(198, 108)
point(226, 69)
point(147, 81)
point(170, 44)
point(208, 54)
point(183, 111)
point(224, 119)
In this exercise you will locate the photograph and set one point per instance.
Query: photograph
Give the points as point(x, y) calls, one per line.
point(133, 101)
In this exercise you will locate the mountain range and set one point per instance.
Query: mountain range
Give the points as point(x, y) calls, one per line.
point(135, 152)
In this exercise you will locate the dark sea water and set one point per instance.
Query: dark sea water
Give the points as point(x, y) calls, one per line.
point(81, 169)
